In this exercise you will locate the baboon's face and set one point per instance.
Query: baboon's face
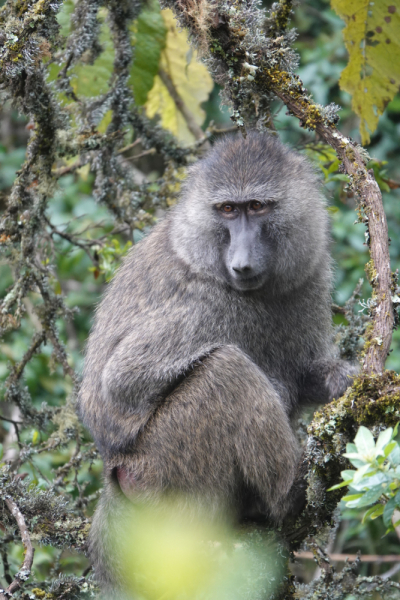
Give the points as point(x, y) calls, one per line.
point(252, 215)
point(247, 246)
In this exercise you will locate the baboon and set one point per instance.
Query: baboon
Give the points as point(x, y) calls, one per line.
point(214, 331)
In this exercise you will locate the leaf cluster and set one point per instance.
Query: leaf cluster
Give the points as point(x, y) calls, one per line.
point(376, 480)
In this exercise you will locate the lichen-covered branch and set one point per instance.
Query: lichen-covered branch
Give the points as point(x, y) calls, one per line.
point(25, 570)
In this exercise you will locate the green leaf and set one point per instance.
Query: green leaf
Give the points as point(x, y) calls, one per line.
point(389, 448)
point(388, 512)
point(384, 438)
point(364, 441)
point(355, 459)
point(372, 39)
point(150, 39)
point(352, 497)
point(374, 479)
point(338, 486)
point(396, 524)
point(394, 456)
point(359, 474)
point(374, 512)
point(64, 16)
point(348, 475)
point(350, 448)
point(93, 80)
point(339, 177)
point(371, 496)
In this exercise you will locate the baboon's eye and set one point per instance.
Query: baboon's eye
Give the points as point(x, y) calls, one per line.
point(227, 208)
point(255, 205)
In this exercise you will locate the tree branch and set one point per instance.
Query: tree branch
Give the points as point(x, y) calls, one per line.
point(25, 571)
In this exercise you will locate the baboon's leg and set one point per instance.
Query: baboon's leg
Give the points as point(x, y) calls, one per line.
point(222, 430)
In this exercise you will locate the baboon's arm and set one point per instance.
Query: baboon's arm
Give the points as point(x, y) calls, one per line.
point(327, 379)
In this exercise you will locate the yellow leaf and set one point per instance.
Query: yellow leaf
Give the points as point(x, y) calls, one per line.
point(372, 40)
point(190, 78)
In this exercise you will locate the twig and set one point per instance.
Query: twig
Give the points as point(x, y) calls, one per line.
point(213, 130)
point(64, 469)
point(83, 160)
point(372, 558)
point(10, 420)
point(18, 369)
point(130, 146)
point(145, 153)
point(25, 571)
point(71, 240)
point(15, 423)
point(62, 355)
point(322, 559)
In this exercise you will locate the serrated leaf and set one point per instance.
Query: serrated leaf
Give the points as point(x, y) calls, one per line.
point(191, 81)
point(150, 38)
point(372, 76)
point(364, 441)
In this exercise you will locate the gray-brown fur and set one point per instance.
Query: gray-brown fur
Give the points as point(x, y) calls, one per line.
point(190, 381)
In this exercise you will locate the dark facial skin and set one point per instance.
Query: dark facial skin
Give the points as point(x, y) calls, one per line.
point(248, 252)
